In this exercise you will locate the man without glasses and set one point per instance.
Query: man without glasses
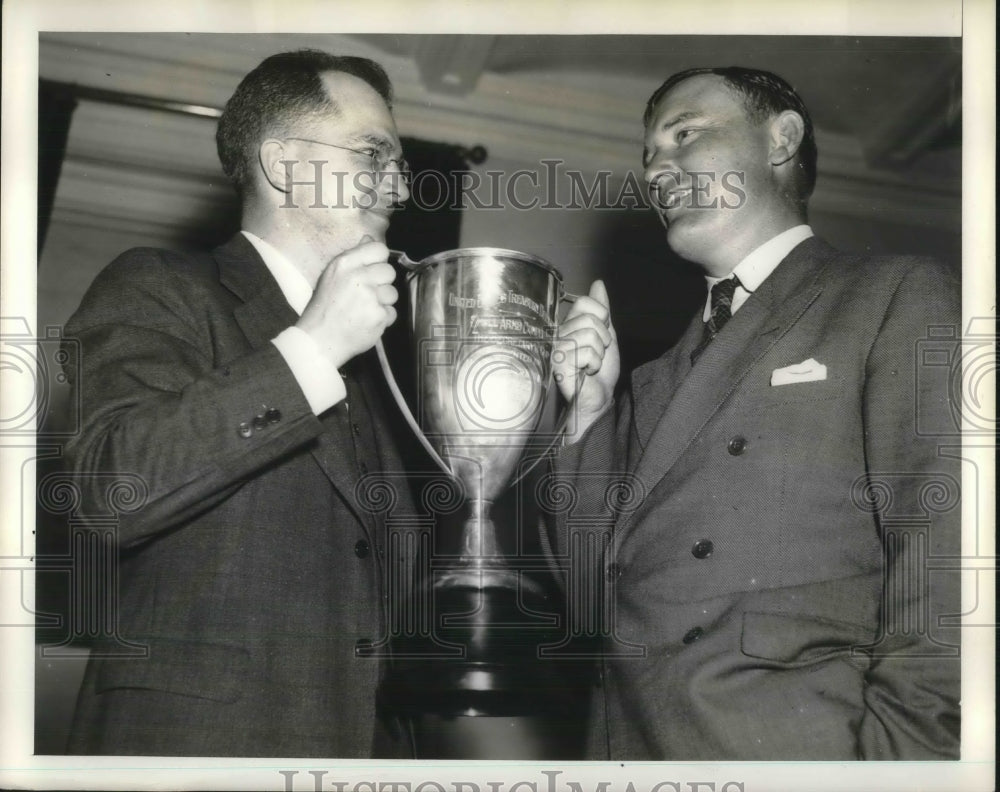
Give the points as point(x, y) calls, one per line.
point(787, 610)
point(237, 384)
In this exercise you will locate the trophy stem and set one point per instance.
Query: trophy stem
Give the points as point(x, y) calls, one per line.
point(480, 546)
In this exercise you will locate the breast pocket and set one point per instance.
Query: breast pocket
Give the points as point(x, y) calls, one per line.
point(803, 392)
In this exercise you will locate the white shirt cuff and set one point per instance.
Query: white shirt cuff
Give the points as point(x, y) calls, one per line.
point(320, 381)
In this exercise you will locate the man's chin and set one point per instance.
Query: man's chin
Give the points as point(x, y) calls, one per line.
point(375, 224)
point(378, 217)
point(684, 239)
point(680, 220)
point(679, 232)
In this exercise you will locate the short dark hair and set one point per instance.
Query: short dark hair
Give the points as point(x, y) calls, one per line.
point(284, 88)
point(764, 94)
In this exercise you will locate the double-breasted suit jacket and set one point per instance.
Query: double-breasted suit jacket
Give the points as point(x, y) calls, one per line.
point(254, 568)
point(773, 566)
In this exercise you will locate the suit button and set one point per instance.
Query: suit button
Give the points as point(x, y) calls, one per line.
point(362, 548)
point(702, 549)
point(614, 571)
point(692, 635)
point(273, 415)
point(259, 422)
point(355, 428)
point(245, 430)
point(738, 445)
point(363, 467)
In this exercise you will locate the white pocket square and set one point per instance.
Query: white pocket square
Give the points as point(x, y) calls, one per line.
point(806, 371)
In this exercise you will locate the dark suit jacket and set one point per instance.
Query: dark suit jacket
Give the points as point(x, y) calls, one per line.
point(772, 564)
point(252, 569)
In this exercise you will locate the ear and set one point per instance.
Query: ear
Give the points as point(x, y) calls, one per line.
point(786, 130)
point(270, 155)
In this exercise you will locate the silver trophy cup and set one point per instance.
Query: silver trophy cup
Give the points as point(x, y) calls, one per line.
point(483, 323)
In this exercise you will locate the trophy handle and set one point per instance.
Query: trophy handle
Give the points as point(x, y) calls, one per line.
point(390, 380)
point(563, 420)
point(404, 261)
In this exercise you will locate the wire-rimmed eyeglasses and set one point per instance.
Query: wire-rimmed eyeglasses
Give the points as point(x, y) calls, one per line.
point(379, 158)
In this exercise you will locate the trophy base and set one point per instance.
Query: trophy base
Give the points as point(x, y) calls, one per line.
point(523, 738)
point(498, 699)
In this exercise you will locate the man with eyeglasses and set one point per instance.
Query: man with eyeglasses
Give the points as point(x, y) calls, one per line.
point(237, 384)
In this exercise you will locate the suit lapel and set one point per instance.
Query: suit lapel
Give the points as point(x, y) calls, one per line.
point(654, 383)
point(264, 313)
point(765, 317)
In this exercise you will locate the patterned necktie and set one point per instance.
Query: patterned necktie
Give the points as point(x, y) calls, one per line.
point(722, 312)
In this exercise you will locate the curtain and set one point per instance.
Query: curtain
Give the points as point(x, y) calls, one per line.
point(56, 103)
point(430, 222)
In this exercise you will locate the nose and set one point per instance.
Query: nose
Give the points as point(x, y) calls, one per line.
point(395, 177)
point(657, 165)
point(660, 174)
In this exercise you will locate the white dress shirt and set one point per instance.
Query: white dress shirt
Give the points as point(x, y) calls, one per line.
point(319, 379)
point(760, 263)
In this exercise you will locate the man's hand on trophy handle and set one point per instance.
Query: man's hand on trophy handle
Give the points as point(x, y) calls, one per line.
point(587, 343)
point(353, 302)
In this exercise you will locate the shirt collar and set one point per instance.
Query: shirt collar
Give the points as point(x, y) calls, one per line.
point(762, 261)
point(293, 284)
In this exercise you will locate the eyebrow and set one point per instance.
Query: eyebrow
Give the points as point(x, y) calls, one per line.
point(666, 125)
point(378, 141)
point(685, 116)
